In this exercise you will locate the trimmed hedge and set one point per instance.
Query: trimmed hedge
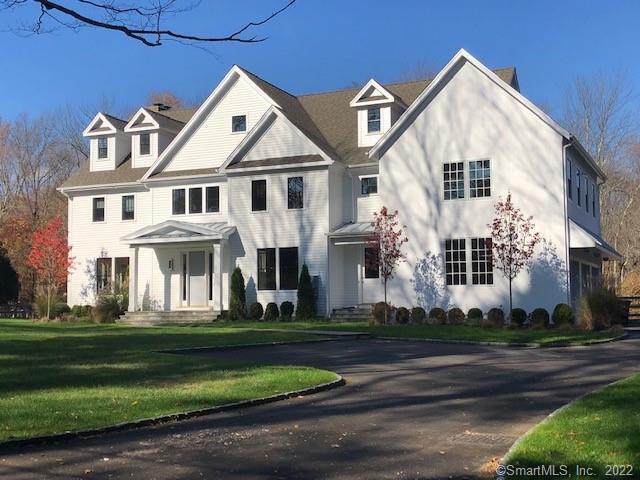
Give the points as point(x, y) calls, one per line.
point(418, 315)
point(539, 318)
point(495, 318)
point(238, 300)
point(437, 316)
point(271, 313)
point(286, 310)
point(402, 315)
point(455, 316)
point(563, 315)
point(518, 317)
point(255, 311)
point(378, 312)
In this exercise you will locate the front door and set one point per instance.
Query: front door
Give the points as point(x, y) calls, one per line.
point(197, 280)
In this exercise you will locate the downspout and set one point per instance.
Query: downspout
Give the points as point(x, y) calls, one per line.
point(566, 222)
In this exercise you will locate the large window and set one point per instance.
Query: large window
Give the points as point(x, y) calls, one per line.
point(266, 269)
point(453, 180)
point(481, 261)
point(210, 279)
point(98, 209)
point(103, 147)
point(455, 261)
point(373, 120)
point(258, 195)
point(578, 186)
point(145, 144)
point(586, 193)
point(121, 277)
point(289, 268)
point(103, 274)
point(128, 207)
point(368, 185)
point(295, 192)
point(371, 263)
point(569, 179)
point(213, 199)
point(178, 201)
point(479, 178)
point(239, 123)
point(195, 200)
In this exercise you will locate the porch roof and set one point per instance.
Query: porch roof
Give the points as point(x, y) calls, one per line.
point(352, 229)
point(174, 231)
point(580, 237)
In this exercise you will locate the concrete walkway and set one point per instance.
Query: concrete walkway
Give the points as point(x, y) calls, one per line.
point(409, 410)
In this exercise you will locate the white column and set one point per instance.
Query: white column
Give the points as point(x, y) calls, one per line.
point(217, 282)
point(133, 279)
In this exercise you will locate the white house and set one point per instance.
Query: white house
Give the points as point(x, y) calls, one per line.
point(172, 200)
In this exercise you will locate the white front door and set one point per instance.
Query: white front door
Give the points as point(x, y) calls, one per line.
point(197, 279)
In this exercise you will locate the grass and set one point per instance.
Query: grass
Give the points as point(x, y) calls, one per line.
point(57, 377)
point(440, 332)
point(598, 430)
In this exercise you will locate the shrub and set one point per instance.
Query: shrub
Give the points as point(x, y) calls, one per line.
point(286, 310)
point(562, 315)
point(495, 318)
point(306, 306)
point(418, 315)
point(40, 305)
point(238, 300)
point(255, 311)
point(271, 313)
point(455, 316)
point(402, 315)
point(607, 309)
point(474, 316)
point(60, 309)
point(437, 316)
point(518, 317)
point(539, 318)
point(79, 311)
point(108, 308)
point(378, 312)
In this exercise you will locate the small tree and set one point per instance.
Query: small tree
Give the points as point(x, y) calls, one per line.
point(49, 257)
point(386, 241)
point(513, 241)
point(306, 305)
point(237, 303)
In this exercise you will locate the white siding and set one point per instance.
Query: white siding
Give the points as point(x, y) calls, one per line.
point(281, 140)
point(162, 203)
point(213, 141)
point(579, 213)
point(366, 139)
point(144, 160)
point(367, 204)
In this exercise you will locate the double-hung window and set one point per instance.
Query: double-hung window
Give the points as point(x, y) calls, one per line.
point(369, 185)
point(586, 193)
point(593, 199)
point(266, 269)
point(578, 186)
point(258, 195)
point(481, 261)
point(455, 261)
point(213, 199)
point(178, 201)
point(288, 268)
point(98, 209)
point(103, 147)
point(479, 178)
point(453, 178)
point(373, 120)
point(295, 193)
point(195, 200)
point(128, 207)
point(145, 144)
point(569, 179)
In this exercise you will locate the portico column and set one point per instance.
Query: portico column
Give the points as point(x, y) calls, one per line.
point(133, 279)
point(217, 268)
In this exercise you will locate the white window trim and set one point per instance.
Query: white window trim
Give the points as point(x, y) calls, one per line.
point(379, 131)
point(104, 217)
point(98, 157)
point(467, 183)
point(366, 195)
point(286, 198)
point(135, 200)
point(246, 126)
point(266, 210)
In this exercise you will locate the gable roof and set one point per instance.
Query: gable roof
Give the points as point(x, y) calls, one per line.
point(382, 95)
point(102, 124)
point(156, 120)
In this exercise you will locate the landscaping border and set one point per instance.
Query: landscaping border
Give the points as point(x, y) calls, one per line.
point(173, 417)
point(188, 350)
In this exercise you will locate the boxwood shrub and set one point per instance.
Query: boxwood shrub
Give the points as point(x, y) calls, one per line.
point(255, 311)
point(455, 316)
point(271, 313)
point(418, 315)
point(286, 310)
point(402, 315)
point(437, 316)
point(518, 317)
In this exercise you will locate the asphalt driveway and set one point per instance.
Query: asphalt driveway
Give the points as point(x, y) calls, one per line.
point(409, 410)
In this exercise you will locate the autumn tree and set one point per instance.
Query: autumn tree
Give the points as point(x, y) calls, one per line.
point(386, 244)
point(513, 241)
point(49, 257)
point(165, 97)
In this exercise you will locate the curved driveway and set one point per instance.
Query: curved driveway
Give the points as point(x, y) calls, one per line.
point(409, 410)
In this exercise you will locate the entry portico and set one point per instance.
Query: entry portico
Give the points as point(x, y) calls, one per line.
point(193, 260)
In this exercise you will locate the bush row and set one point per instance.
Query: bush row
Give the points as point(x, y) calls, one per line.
point(271, 313)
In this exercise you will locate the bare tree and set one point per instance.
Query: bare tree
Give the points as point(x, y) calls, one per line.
point(143, 21)
point(165, 97)
point(422, 70)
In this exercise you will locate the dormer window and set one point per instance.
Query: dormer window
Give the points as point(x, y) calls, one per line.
point(103, 148)
point(373, 120)
point(239, 123)
point(145, 143)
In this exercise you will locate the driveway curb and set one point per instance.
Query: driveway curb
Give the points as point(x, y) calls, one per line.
point(147, 422)
point(246, 345)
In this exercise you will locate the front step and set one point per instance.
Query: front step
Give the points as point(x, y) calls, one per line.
point(357, 312)
point(176, 317)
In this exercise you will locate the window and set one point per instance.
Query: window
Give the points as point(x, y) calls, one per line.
point(145, 144)
point(121, 275)
point(479, 179)
point(98, 209)
point(569, 179)
point(195, 200)
point(103, 274)
point(178, 201)
point(239, 123)
point(373, 120)
point(184, 275)
point(578, 184)
point(213, 199)
point(103, 148)
point(368, 185)
point(210, 276)
point(481, 261)
point(371, 263)
point(128, 207)
point(453, 180)
point(258, 195)
point(586, 193)
point(455, 261)
point(289, 268)
point(593, 199)
point(295, 192)
point(266, 269)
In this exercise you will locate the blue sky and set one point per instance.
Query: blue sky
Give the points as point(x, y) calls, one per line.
point(321, 45)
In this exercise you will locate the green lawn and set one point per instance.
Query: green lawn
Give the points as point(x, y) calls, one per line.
point(56, 377)
point(438, 332)
point(600, 429)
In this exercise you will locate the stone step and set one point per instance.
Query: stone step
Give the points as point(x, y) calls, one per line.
point(168, 318)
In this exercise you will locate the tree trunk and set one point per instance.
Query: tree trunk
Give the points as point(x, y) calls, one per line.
point(510, 303)
point(48, 302)
point(386, 309)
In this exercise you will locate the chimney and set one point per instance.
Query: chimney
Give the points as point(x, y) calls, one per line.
point(159, 107)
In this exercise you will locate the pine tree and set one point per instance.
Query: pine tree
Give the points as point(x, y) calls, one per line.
point(306, 306)
point(238, 301)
